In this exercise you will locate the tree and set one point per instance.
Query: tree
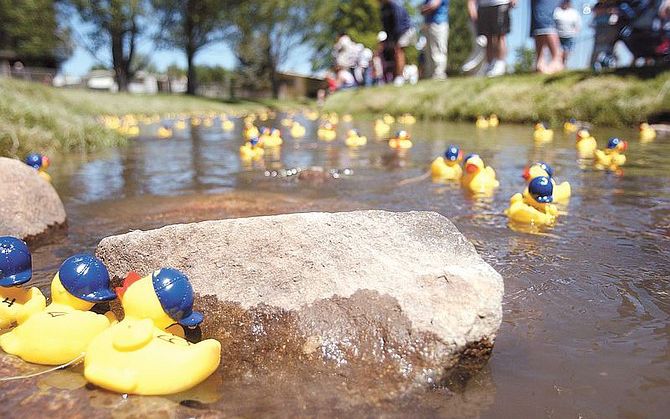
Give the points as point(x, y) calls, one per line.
point(525, 60)
point(460, 39)
point(118, 25)
point(193, 24)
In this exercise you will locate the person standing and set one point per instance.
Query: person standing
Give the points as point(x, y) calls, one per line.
point(398, 27)
point(436, 17)
point(543, 29)
point(568, 24)
point(492, 20)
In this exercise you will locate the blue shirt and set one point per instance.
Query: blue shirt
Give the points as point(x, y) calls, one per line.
point(395, 20)
point(439, 15)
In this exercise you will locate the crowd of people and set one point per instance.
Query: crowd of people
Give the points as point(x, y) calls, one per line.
point(554, 26)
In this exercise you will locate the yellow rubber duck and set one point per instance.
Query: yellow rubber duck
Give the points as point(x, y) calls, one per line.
point(327, 132)
point(195, 121)
point(62, 331)
point(355, 139)
point(570, 126)
point(447, 167)
point(297, 130)
point(647, 133)
point(482, 123)
point(17, 303)
point(347, 118)
point(401, 140)
point(270, 137)
point(478, 178)
point(333, 118)
point(250, 131)
point(263, 116)
point(164, 132)
point(388, 119)
point(180, 124)
point(208, 122)
point(39, 163)
point(561, 191)
point(251, 150)
point(138, 355)
point(536, 207)
point(612, 157)
point(407, 119)
point(227, 125)
point(493, 121)
point(312, 115)
point(542, 134)
point(287, 122)
point(249, 119)
point(586, 144)
point(381, 127)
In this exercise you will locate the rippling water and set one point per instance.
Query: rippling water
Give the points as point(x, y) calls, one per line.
point(586, 312)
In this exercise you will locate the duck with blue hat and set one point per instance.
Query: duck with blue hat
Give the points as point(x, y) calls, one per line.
point(535, 208)
point(447, 167)
point(16, 302)
point(146, 352)
point(401, 141)
point(60, 333)
point(252, 150)
point(562, 191)
point(612, 157)
point(39, 163)
point(479, 178)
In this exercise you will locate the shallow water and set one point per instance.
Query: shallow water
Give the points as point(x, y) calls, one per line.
point(586, 328)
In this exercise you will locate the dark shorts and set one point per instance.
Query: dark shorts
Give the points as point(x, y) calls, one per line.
point(568, 44)
point(493, 20)
point(542, 17)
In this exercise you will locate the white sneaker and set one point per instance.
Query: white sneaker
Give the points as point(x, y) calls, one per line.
point(399, 81)
point(498, 68)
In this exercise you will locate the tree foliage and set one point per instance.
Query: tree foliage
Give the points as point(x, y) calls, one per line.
point(460, 38)
point(525, 60)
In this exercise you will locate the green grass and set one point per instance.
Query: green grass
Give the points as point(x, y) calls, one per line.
point(44, 119)
point(614, 99)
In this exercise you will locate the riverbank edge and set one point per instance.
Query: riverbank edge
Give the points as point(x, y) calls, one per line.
point(624, 98)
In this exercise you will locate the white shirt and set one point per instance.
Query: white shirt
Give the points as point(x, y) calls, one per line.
point(491, 3)
point(568, 22)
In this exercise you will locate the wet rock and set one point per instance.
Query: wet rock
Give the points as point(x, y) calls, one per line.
point(374, 294)
point(29, 205)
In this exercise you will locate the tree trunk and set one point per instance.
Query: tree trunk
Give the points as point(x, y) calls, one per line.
point(274, 79)
point(192, 83)
point(120, 67)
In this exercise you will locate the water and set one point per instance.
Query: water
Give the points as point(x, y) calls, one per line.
point(585, 332)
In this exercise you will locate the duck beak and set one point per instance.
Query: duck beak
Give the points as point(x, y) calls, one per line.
point(624, 147)
point(526, 173)
point(470, 168)
point(130, 280)
point(45, 162)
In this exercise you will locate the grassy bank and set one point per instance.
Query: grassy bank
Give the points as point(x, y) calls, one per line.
point(621, 99)
point(38, 118)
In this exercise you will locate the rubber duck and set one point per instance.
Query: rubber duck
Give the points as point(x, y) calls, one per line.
point(297, 130)
point(586, 144)
point(250, 131)
point(180, 124)
point(287, 122)
point(612, 157)
point(381, 127)
point(164, 131)
point(347, 118)
point(493, 121)
point(195, 121)
point(270, 137)
point(208, 122)
point(478, 177)
point(327, 132)
point(355, 139)
point(263, 116)
point(536, 207)
point(39, 163)
point(312, 115)
point(388, 119)
point(251, 150)
point(561, 192)
point(401, 140)
point(482, 123)
point(137, 355)
point(542, 134)
point(448, 167)
point(333, 118)
point(17, 303)
point(227, 125)
point(570, 126)
point(61, 332)
point(249, 119)
point(647, 133)
point(407, 119)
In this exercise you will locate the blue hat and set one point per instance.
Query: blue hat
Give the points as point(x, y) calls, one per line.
point(613, 143)
point(253, 141)
point(546, 168)
point(541, 189)
point(573, 121)
point(175, 294)
point(85, 277)
point(452, 153)
point(469, 156)
point(34, 160)
point(15, 262)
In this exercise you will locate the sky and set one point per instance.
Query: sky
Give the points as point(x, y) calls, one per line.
point(299, 62)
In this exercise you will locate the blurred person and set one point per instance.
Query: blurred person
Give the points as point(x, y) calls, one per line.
point(436, 19)
point(607, 26)
point(543, 29)
point(345, 79)
point(492, 20)
point(664, 9)
point(363, 71)
point(568, 24)
point(345, 52)
point(398, 27)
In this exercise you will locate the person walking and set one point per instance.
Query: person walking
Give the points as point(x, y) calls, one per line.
point(568, 24)
point(398, 27)
point(543, 29)
point(492, 20)
point(436, 18)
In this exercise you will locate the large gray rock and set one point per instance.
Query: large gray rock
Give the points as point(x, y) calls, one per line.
point(405, 293)
point(29, 205)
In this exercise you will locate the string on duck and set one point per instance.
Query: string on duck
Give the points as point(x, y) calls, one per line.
point(36, 374)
